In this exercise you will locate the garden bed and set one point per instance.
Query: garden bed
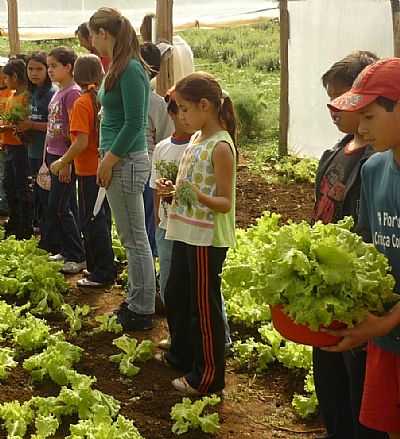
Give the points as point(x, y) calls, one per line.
point(255, 406)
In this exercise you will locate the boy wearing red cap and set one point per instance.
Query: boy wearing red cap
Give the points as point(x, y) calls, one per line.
point(376, 97)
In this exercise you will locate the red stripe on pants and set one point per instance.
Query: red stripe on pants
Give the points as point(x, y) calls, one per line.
point(205, 319)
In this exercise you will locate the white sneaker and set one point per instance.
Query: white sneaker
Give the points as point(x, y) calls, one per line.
point(71, 267)
point(56, 258)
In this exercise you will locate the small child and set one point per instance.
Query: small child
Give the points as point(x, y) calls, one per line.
point(16, 179)
point(169, 151)
point(339, 377)
point(159, 127)
point(202, 230)
point(84, 128)
point(61, 222)
point(375, 97)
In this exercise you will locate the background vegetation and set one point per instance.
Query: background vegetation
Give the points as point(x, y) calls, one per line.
point(245, 59)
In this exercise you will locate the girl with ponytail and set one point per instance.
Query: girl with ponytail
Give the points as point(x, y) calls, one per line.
point(84, 129)
point(124, 167)
point(201, 222)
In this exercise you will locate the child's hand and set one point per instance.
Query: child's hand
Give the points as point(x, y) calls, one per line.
point(372, 326)
point(164, 187)
point(56, 166)
point(64, 174)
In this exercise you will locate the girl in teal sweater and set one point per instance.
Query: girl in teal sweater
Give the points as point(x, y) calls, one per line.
point(125, 165)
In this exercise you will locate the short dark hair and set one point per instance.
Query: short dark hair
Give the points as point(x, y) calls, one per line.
point(386, 103)
point(17, 67)
point(152, 56)
point(346, 70)
point(64, 55)
point(83, 30)
point(172, 106)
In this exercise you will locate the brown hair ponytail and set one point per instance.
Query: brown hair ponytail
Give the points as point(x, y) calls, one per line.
point(126, 42)
point(201, 85)
point(88, 73)
point(228, 117)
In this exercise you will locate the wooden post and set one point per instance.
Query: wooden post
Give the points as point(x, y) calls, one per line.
point(13, 34)
point(284, 92)
point(165, 78)
point(396, 26)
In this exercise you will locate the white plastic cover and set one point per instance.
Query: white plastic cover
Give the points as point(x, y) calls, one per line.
point(321, 33)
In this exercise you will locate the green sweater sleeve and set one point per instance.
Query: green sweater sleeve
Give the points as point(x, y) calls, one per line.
point(134, 95)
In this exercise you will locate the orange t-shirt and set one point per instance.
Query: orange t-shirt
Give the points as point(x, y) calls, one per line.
point(82, 120)
point(9, 138)
point(4, 95)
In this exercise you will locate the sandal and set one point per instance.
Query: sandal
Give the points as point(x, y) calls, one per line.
point(182, 386)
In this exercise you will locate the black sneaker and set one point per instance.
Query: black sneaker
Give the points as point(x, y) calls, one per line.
point(122, 307)
point(132, 321)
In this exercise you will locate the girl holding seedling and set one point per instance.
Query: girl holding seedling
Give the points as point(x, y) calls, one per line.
point(60, 221)
point(16, 181)
point(42, 90)
point(201, 223)
point(84, 126)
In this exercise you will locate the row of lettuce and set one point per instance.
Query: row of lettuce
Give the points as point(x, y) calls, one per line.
point(319, 274)
point(27, 277)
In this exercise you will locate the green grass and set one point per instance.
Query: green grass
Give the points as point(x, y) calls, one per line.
point(254, 45)
point(29, 46)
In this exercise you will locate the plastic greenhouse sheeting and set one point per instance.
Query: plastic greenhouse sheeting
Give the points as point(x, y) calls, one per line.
point(321, 33)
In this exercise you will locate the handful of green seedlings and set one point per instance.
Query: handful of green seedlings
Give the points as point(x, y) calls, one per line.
point(185, 195)
point(167, 170)
point(14, 115)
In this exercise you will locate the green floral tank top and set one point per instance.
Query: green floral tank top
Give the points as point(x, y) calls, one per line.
point(198, 224)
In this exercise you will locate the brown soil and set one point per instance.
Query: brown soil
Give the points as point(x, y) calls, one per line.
point(255, 406)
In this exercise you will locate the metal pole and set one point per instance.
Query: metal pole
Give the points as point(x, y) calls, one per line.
point(284, 92)
point(395, 4)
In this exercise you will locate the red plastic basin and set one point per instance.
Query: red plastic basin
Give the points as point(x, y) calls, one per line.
point(302, 334)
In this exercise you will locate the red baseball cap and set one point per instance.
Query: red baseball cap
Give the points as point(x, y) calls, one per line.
point(379, 79)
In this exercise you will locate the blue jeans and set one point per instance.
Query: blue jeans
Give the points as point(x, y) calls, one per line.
point(164, 247)
point(16, 185)
point(96, 232)
point(148, 198)
point(125, 195)
point(61, 223)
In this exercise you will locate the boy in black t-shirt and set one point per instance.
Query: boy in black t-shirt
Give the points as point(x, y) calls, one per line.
point(339, 377)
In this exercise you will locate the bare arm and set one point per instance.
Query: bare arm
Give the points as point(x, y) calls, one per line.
point(79, 145)
point(372, 326)
point(223, 168)
point(30, 125)
point(156, 201)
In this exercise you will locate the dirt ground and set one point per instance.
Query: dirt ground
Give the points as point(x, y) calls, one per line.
point(254, 406)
